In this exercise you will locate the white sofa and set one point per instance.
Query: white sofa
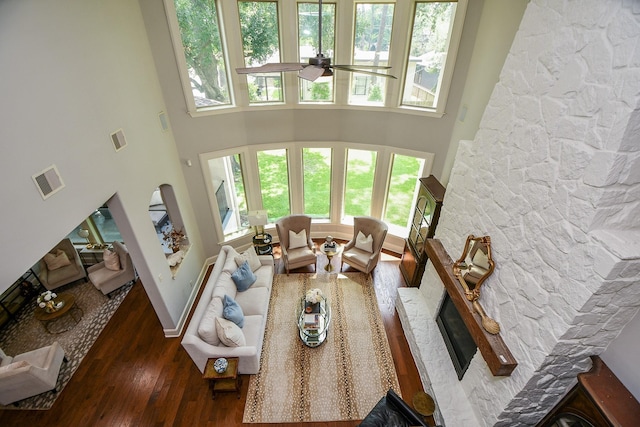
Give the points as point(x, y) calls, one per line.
point(254, 303)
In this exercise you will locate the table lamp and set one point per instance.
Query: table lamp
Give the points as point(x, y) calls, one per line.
point(258, 219)
point(84, 233)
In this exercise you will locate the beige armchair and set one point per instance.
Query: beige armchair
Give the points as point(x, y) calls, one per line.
point(54, 273)
point(29, 373)
point(108, 280)
point(296, 253)
point(363, 254)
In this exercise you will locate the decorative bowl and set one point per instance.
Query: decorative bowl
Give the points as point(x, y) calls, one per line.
point(220, 365)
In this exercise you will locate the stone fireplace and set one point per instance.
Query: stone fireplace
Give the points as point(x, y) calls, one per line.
point(553, 176)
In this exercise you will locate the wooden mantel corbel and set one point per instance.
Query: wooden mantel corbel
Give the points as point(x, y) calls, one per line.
point(493, 349)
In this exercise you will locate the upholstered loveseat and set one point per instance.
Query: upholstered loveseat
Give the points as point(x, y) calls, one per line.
point(202, 339)
point(29, 373)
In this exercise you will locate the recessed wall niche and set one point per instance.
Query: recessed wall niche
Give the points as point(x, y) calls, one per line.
point(167, 221)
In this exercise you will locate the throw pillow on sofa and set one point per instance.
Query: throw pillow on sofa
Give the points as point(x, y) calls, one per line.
point(232, 311)
point(57, 260)
point(111, 260)
point(243, 277)
point(251, 257)
point(207, 328)
point(230, 334)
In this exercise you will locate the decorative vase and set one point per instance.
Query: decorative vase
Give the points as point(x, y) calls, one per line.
point(50, 307)
point(220, 365)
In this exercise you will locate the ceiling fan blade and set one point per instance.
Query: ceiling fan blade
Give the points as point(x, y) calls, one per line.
point(271, 68)
point(355, 67)
point(311, 73)
point(372, 73)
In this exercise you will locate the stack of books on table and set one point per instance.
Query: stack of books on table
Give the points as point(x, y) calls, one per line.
point(311, 321)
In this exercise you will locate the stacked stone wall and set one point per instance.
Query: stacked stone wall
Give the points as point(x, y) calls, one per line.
point(553, 176)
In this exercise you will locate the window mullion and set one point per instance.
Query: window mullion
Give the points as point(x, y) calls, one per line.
point(231, 38)
point(338, 177)
point(400, 42)
point(252, 178)
point(296, 179)
point(343, 49)
point(381, 182)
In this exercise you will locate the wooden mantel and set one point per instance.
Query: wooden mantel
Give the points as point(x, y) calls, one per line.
point(495, 352)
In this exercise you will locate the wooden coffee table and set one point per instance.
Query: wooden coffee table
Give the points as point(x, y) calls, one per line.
point(69, 310)
point(229, 380)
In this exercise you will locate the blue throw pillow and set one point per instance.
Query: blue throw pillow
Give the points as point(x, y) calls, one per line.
point(232, 311)
point(243, 277)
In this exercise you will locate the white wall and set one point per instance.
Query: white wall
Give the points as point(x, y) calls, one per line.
point(73, 72)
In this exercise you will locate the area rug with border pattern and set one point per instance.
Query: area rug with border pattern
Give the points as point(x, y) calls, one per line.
point(27, 333)
point(343, 378)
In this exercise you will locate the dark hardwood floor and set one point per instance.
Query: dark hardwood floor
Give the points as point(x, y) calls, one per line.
point(134, 376)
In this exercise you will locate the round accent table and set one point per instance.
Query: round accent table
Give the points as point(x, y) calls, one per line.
point(65, 318)
point(330, 253)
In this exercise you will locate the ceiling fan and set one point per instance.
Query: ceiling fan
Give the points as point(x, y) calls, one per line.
point(318, 66)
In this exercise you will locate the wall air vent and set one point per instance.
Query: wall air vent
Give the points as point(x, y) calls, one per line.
point(48, 181)
point(164, 121)
point(119, 141)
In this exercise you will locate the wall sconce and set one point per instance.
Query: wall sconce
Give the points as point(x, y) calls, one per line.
point(258, 219)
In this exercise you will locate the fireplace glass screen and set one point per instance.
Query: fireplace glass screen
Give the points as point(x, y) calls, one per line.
point(456, 336)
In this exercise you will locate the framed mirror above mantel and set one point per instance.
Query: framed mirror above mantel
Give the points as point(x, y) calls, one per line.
point(493, 349)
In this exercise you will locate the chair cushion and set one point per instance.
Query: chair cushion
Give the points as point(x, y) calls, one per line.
point(57, 260)
point(297, 240)
point(251, 257)
point(111, 260)
point(207, 328)
point(356, 256)
point(230, 334)
point(243, 277)
point(364, 243)
point(232, 311)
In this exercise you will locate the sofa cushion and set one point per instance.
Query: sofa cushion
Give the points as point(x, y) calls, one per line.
point(225, 286)
point(254, 301)
point(230, 334)
point(232, 311)
point(57, 260)
point(251, 257)
point(253, 330)
point(297, 240)
point(207, 328)
point(264, 278)
point(243, 277)
point(111, 260)
point(364, 243)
